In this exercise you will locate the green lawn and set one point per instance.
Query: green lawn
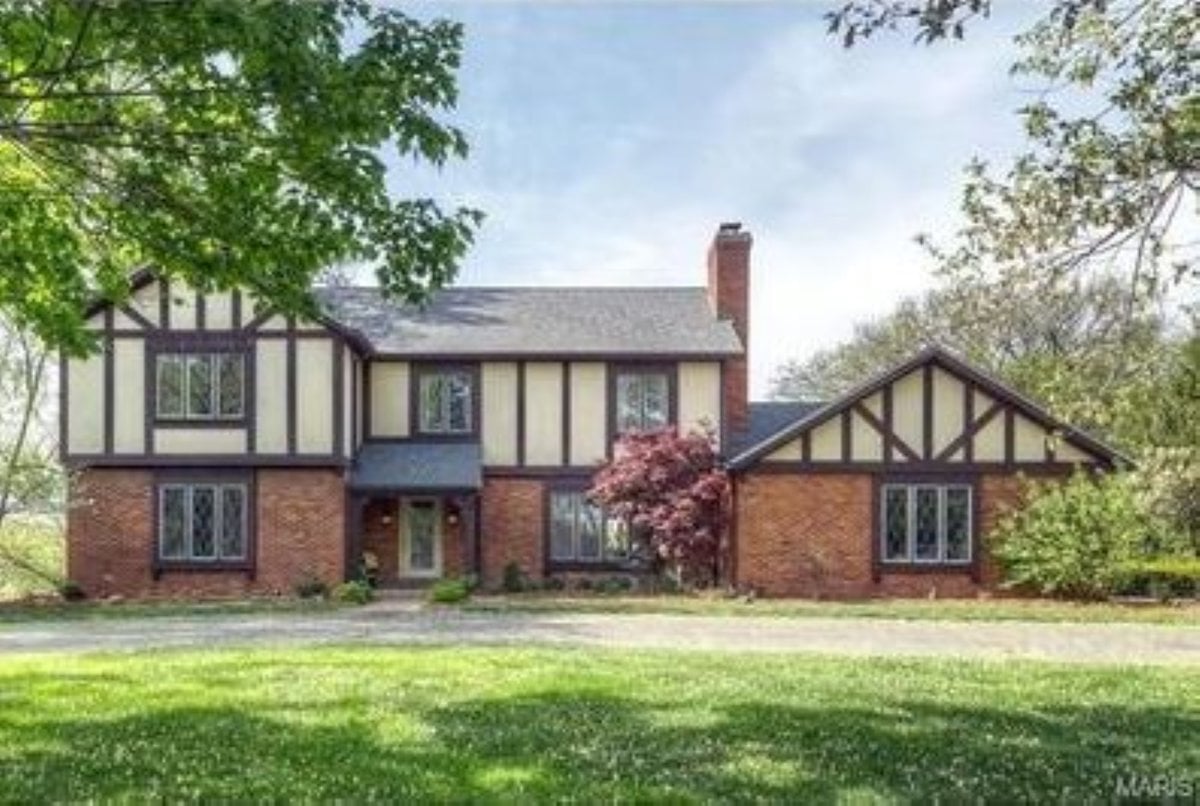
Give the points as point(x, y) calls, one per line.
point(395, 724)
point(1039, 610)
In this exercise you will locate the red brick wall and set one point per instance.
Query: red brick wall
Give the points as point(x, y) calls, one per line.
point(811, 535)
point(729, 296)
point(512, 527)
point(110, 540)
point(381, 536)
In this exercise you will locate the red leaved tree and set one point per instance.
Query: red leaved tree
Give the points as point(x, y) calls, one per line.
point(671, 488)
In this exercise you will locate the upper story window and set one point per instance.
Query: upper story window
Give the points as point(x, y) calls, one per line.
point(643, 399)
point(201, 386)
point(926, 523)
point(445, 401)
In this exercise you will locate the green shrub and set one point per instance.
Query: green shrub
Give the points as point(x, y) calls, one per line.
point(515, 580)
point(354, 592)
point(553, 584)
point(450, 591)
point(615, 584)
point(1162, 577)
point(311, 587)
point(1072, 539)
point(70, 591)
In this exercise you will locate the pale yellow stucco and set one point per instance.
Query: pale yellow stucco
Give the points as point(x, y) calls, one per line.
point(1029, 440)
point(947, 409)
point(908, 409)
point(314, 396)
point(85, 413)
point(129, 395)
point(389, 398)
point(146, 302)
point(700, 396)
point(498, 394)
point(200, 440)
point(866, 443)
point(270, 396)
point(825, 441)
point(589, 413)
point(183, 307)
point(218, 311)
point(543, 412)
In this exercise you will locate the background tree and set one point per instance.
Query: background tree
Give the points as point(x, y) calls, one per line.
point(1113, 139)
point(31, 480)
point(226, 143)
point(673, 491)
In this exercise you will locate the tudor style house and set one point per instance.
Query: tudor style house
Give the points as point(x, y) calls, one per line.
point(220, 448)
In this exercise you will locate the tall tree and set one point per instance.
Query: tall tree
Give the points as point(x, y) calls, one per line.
point(1113, 151)
point(226, 143)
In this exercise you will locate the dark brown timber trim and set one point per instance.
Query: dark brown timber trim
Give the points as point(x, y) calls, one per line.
point(520, 412)
point(136, 316)
point(847, 436)
point(291, 386)
point(968, 446)
point(110, 380)
point(966, 439)
point(566, 413)
point(164, 303)
point(927, 413)
point(887, 429)
point(1010, 437)
point(201, 311)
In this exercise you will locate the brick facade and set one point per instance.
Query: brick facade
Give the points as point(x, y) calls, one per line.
point(811, 534)
point(111, 541)
point(513, 523)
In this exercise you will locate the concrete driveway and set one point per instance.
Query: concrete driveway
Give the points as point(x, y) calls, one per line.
point(409, 623)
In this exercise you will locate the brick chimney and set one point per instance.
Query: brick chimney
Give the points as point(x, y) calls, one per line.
point(729, 296)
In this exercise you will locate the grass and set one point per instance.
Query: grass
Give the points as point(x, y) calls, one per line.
point(18, 612)
point(485, 724)
point(34, 541)
point(1039, 610)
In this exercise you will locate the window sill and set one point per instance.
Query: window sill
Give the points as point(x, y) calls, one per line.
point(201, 566)
point(896, 567)
point(238, 422)
point(601, 566)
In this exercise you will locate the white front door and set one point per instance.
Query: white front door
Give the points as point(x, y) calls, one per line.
point(420, 537)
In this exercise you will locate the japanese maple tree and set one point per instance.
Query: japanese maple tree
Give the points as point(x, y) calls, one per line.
point(672, 489)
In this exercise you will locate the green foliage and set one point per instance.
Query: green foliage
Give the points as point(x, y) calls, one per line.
point(1162, 577)
point(354, 592)
point(311, 586)
point(1072, 539)
point(71, 591)
point(450, 591)
point(614, 585)
point(505, 725)
point(31, 556)
point(228, 144)
point(515, 580)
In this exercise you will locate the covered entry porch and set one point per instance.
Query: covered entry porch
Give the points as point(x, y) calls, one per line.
point(414, 512)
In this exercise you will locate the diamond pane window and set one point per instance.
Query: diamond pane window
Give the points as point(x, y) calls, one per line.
point(233, 523)
point(895, 533)
point(173, 523)
point(202, 522)
point(925, 523)
point(204, 526)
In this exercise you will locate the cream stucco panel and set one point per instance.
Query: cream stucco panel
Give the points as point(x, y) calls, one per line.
point(218, 311)
point(589, 413)
point(499, 416)
point(145, 301)
point(314, 396)
point(129, 395)
point(1029, 440)
point(788, 452)
point(700, 396)
point(874, 404)
point(825, 441)
point(865, 442)
point(389, 398)
point(908, 409)
point(211, 441)
point(1066, 452)
point(947, 409)
point(123, 321)
point(85, 415)
point(543, 413)
point(183, 308)
point(989, 442)
point(270, 396)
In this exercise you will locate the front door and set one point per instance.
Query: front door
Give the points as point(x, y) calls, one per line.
point(420, 538)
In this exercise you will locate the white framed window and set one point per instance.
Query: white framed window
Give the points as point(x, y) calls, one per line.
point(643, 399)
point(446, 401)
point(581, 532)
point(202, 522)
point(200, 386)
point(926, 523)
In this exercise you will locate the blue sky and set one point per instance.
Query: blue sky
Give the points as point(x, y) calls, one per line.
point(608, 140)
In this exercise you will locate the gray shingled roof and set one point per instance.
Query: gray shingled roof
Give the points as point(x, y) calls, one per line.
point(418, 467)
point(767, 418)
point(527, 321)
